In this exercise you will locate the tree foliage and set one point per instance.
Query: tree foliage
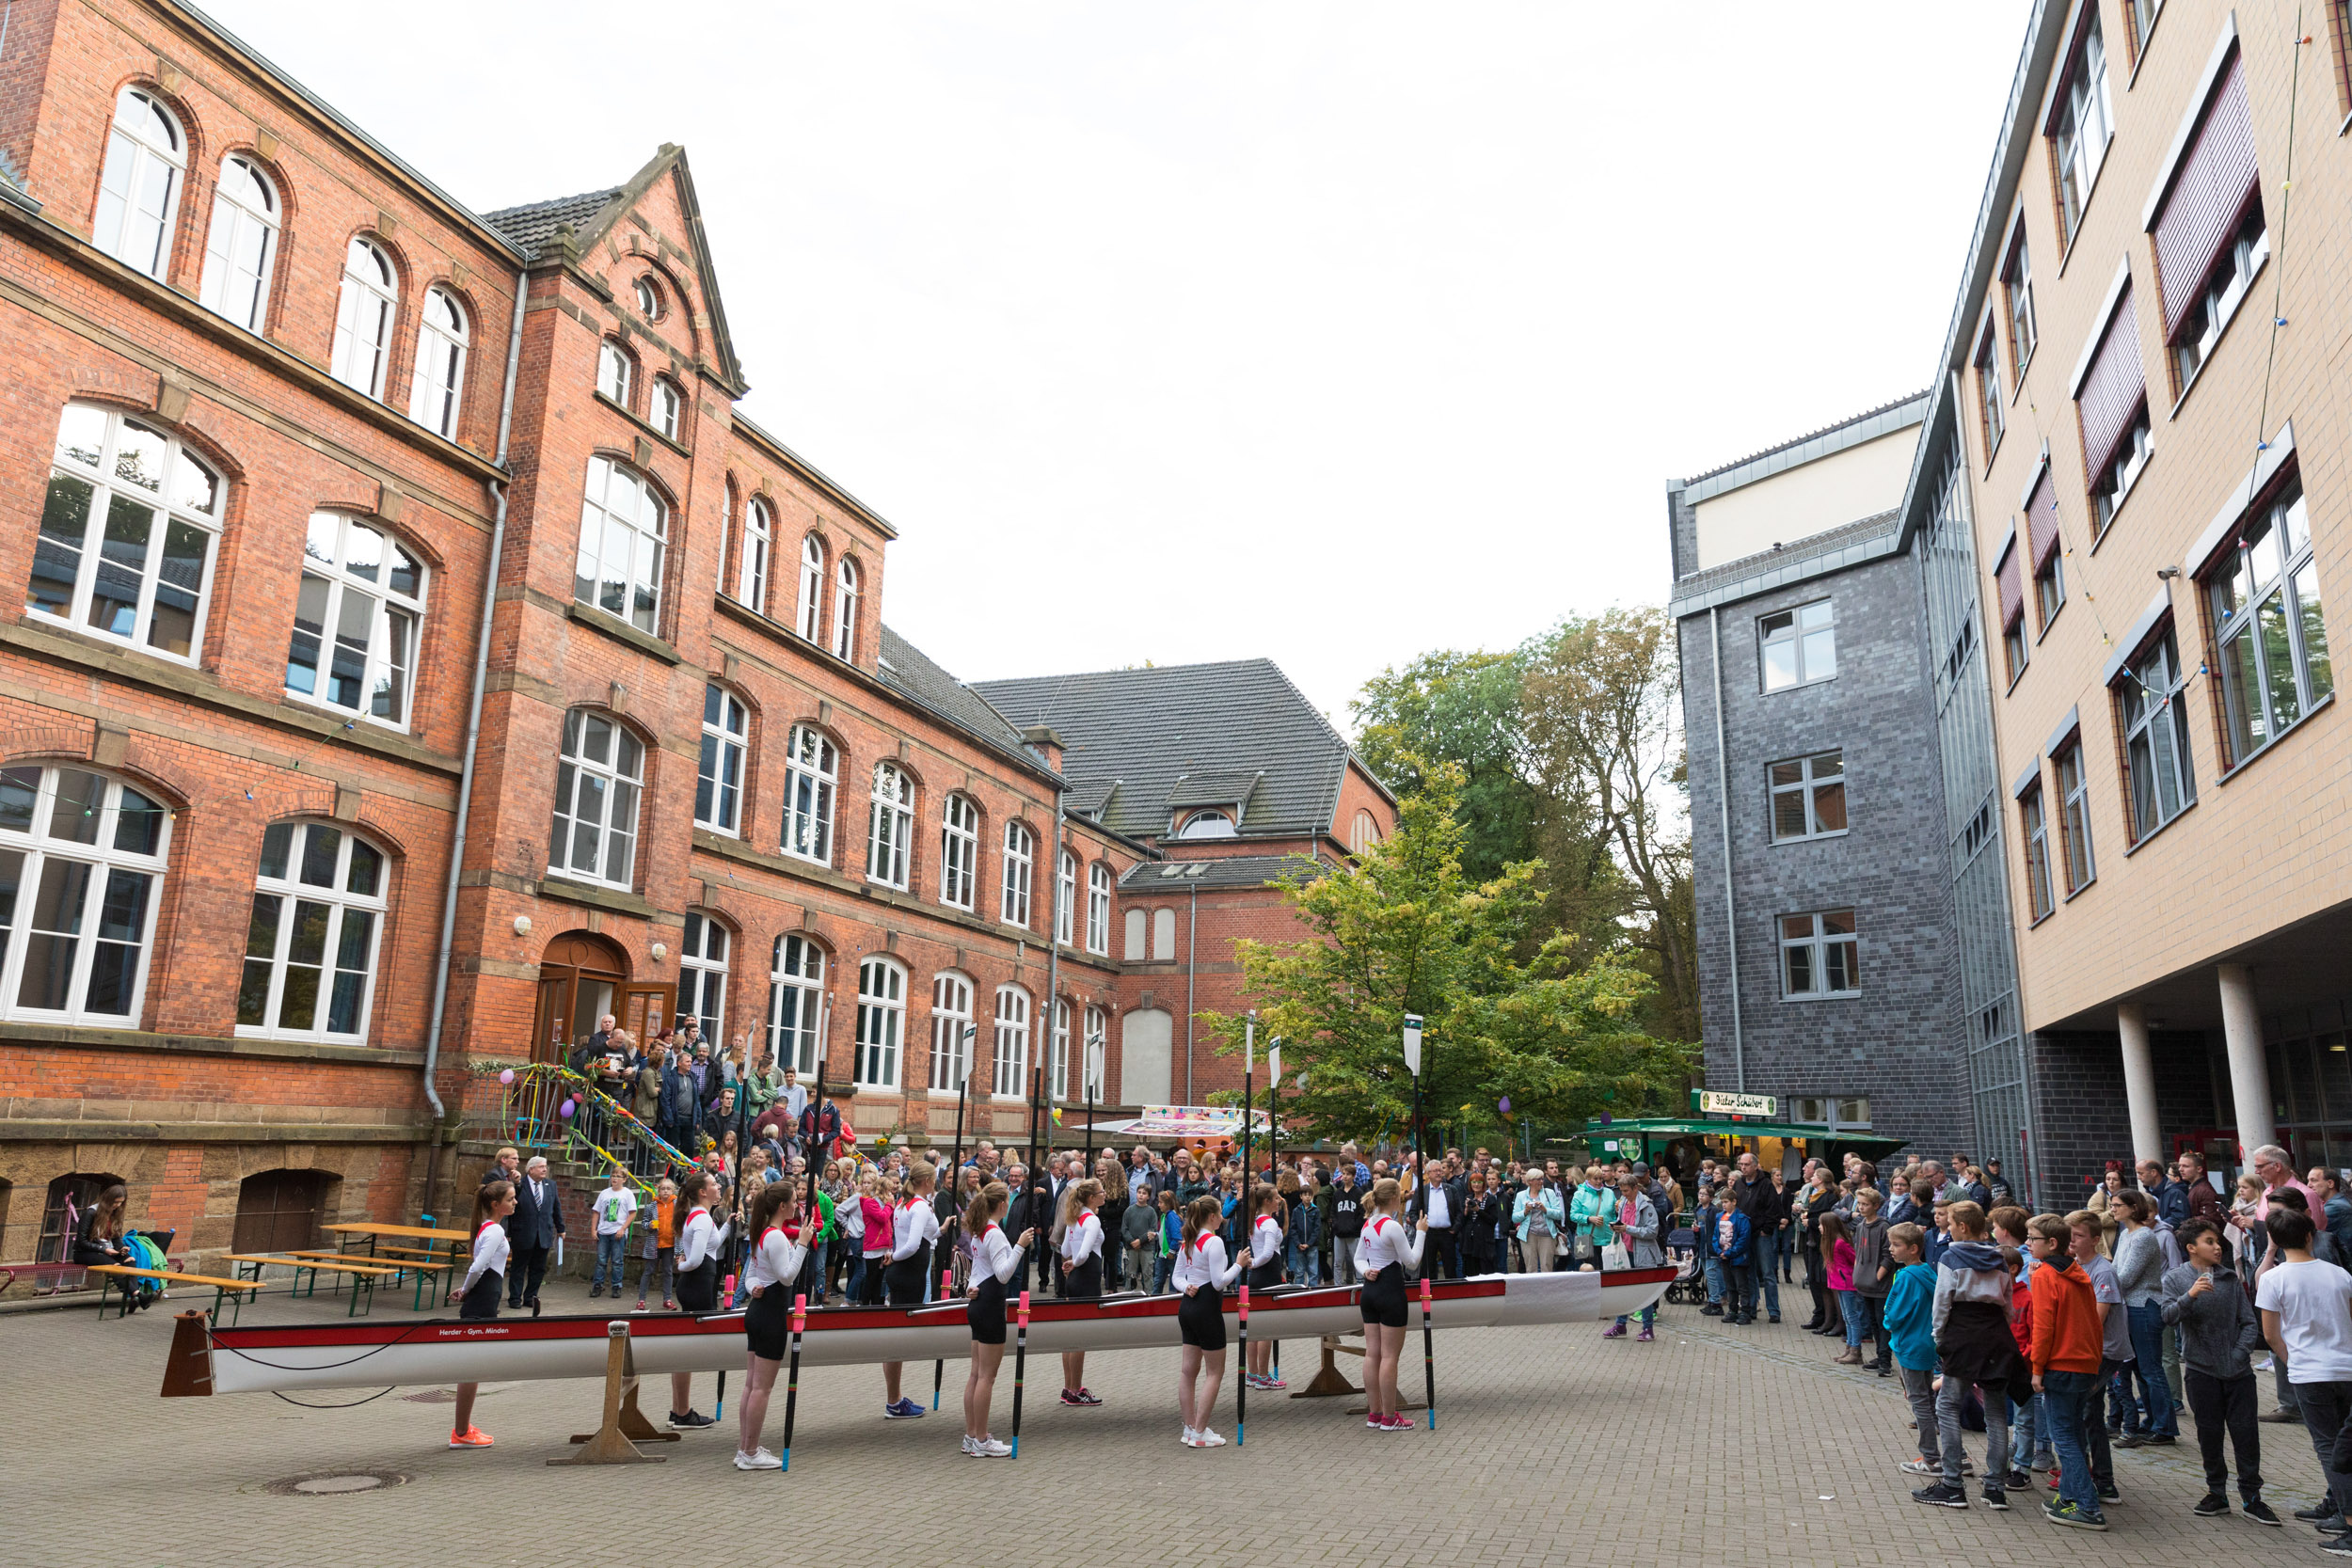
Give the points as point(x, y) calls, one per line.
point(1507, 1014)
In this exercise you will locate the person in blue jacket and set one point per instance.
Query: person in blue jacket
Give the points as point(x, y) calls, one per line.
point(1730, 1239)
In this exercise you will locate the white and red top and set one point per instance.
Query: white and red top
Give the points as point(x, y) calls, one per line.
point(698, 1238)
point(991, 1254)
point(1203, 1264)
point(490, 1252)
point(775, 1260)
point(1386, 1241)
point(1266, 1241)
point(912, 1225)
point(1082, 1238)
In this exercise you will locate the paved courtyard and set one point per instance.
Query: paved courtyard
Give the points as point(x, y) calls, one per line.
point(1714, 1445)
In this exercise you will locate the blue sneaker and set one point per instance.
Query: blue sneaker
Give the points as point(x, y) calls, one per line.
point(905, 1410)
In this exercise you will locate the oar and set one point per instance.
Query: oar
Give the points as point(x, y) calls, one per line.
point(954, 1182)
point(1428, 1358)
point(1241, 1389)
point(1019, 1366)
point(792, 1385)
point(947, 1282)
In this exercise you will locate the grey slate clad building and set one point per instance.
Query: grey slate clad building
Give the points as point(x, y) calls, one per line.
point(1822, 898)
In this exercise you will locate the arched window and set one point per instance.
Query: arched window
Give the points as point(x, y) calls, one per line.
point(1095, 1038)
point(81, 859)
point(139, 192)
point(613, 371)
point(718, 786)
point(243, 244)
point(1099, 908)
point(1066, 898)
point(596, 786)
point(127, 531)
point(1362, 833)
point(810, 774)
point(439, 384)
point(881, 1010)
point(622, 525)
point(363, 318)
point(959, 851)
point(796, 990)
point(702, 975)
point(1208, 824)
point(649, 299)
point(750, 586)
point(1163, 935)
point(890, 826)
point(1020, 856)
point(1058, 1059)
point(845, 613)
point(952, 1032)
point(812, 600)
point(1010, 1079)
point(357, 621)
point(667, 401)
point(309, 949)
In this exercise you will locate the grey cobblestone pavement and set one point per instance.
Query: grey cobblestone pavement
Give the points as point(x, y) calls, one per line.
point(1714, 1445)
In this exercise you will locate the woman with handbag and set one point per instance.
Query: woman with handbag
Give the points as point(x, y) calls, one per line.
point(1634, 1247)
point(1538, 1216)
point(1591, 1211)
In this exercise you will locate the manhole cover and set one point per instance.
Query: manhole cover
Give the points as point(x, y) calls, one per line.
point(335, 1486)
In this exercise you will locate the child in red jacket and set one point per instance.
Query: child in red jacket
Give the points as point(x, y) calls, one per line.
point(2067, 1347)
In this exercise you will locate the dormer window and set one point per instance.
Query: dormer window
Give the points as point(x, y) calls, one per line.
point(1208, 824)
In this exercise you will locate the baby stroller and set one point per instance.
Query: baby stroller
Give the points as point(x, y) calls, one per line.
point(1689, 1283)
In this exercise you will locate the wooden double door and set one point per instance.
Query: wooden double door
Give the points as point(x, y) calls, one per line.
point(582, 976)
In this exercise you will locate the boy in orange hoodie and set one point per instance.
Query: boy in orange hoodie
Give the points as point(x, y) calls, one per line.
point(2068, 1344)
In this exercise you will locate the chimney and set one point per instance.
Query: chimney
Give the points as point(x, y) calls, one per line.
point(1045, 743)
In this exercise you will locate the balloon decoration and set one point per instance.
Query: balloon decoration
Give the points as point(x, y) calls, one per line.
point(507, 1077)
point(567, 1108)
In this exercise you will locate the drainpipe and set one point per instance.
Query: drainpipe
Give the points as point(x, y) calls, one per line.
point(1192, 951)
point(473, 735)
point(1042, 1030)
point(1722, 807)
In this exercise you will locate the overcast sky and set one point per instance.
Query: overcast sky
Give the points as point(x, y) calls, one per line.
point(1328, 333)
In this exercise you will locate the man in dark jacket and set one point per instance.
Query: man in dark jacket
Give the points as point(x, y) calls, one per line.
point(2169, 1196)
point(531, 1231)
point(1757, 1200)
point(1444, 1199)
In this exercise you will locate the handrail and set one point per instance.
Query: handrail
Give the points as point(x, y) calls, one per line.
point(529, 1110)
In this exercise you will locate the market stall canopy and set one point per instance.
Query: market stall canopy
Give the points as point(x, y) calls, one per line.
point(1190, 1123)
point(1863, 1142)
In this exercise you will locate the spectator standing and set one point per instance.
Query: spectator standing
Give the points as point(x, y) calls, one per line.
point(2204, 1202)
point(2068, 1355)
point(1911, 1330)
point(2139, 1276)
point(1873, 1273)
point(1636, 1226)
point(1837, 1275)
point(2220, 1328)
point(2085, 1233)
point(661, 1245)
point(1973, 1342)
point(1759, 1204)
point(1592, 1216)
point(614, 1207)
point(2306, 1310)
point(531, 1230)
point(1347, 1219)
point(1539, 1218)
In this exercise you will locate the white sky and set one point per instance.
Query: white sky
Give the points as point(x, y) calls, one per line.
point(1330, 333)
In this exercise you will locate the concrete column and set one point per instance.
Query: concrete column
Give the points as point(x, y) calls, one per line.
point(2250, 1070)
point(2139, 1081)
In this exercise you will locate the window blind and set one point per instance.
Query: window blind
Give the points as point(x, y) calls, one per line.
point(2041, 528)
point(2112, 392)
point(2215, 180)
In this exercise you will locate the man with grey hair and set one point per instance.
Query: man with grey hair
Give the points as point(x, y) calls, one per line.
point(530, 1232)
point(2277, 1174)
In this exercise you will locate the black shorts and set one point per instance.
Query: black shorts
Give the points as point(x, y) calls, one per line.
point(984, 1314)
point(1201, 1319)
point(698, 1288)
point(1085, 1282)
point(904, 1279)
point(1266, 1276)
point(481, 1299)
point(768, 1323)
point(1383, 1298)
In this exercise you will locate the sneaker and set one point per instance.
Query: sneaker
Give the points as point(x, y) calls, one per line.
point(1919, 1467)
point(971, 1450)
point(2260, 1513)
point(1272, 1385)
point(1208, 1439)
point(2161, 1440)
point(1401, 1423)
point(2107, 1494)
point(2280, 1417)
point(1940, 1496)
point(2213, 1505)
point(1645, 1336)
point(2017, 1480)
point(693, 1420)
point(1615, 1331)
point(989, 1448)
point(1085, 1396)
point(1376, 1423)
point(1711, 1310)
point(1996, 1499)
point(668, 1305)
point(905, 1410)
point(2073, 1517)
point(759, 1459)
point(2341, 1547)
point(595, 1290)
point(2129, 1440)
point(472, 1437)
point(1069, 1396)
point(2316, 1512)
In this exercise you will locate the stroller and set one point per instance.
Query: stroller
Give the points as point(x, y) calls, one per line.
point(1689, 1283)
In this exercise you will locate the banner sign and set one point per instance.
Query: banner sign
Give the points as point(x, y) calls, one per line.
point(1713, 1104)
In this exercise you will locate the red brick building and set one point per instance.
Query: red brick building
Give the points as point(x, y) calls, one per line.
point(275, 758)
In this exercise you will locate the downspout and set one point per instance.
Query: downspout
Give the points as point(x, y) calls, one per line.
point(474, 737)
point(1192, 952)
point(1043, 1031)
point(1723, 808)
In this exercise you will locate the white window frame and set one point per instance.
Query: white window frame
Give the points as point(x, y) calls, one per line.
point(1012, 906)
point(366, 313)
point(719, 774)
point(649, 299)
point(615, 803)
point(1099, 910)
point(1057, 1054)
point(702, 952)
point(796, 986)
point(1814, 943)
point(1811, 639)
point(664, 409)
point(952, 1032)
point(335, 588)
point(1095, 1024)
point(2113, 486)
point(138, 190)
point(2086, 126)
point(1209, 824)
point(2263, 600)
point(616, 371)
point(31, 791)
point(241, 245)
point(2017, 288)
point(2035, 815)
point(811, 603)
point(436, 393)
point(812, 793)
point(751, 579)
point(185, 503)
point(2225, 290)
point(1010, 1063)
point(1814, 776)
point(890, 826)
point(1066, 897)
point(2156, 720)
point(2081, 863)
point(844, 611)
point(1992, 421)
point(881, 1013)
point(959, 851)
point(623, 538)
point(269, 952)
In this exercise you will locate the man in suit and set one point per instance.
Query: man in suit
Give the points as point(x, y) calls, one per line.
point(1443, 1198)
point(531, 1231)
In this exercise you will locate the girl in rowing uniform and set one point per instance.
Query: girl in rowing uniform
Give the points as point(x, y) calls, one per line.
point(484, 1279)
point(700, 1242)
point(775, 1263)
point(1202, 1276)
point(915, 1231)
point(1081, 1274)
point(1265, 1271)
point(1383, 1254)
point(994, 1259)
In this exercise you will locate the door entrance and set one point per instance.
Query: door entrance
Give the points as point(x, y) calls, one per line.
point(579, 975)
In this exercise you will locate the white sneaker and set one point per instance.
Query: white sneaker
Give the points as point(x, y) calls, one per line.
point(970, 1449)
point(1192, 1438)
point(759, 1459)
point(1208, 1439)
point(989, 1448)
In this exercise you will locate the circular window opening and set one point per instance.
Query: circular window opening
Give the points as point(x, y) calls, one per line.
point(648, 299)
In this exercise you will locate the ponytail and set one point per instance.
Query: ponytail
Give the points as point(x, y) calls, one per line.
point(486, 1201)
point(1074, 1200)
point(1202, 1214)
point(1386, 1194)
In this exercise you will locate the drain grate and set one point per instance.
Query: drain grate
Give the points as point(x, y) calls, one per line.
point(339, 1483)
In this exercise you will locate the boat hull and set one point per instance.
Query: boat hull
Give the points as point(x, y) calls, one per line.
point(504, 1349)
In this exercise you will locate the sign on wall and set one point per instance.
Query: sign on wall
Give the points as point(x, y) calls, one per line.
point(1714, 1104)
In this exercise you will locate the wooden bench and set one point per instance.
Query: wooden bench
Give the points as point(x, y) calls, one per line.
point(399, 1260)
point(360, 1274)
point(222, 1289)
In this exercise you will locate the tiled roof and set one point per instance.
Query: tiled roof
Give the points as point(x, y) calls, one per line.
point(908, 670)
point(1235, 871)
point(531, 225)
point(1148, 728)
point(1214, 787)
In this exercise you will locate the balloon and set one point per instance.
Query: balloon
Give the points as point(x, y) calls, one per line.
point(567, 1108)
point(1504, 1104)
point(507, 1077)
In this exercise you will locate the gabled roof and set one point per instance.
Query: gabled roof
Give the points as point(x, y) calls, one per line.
point(1214, 786)
point(1152, 731)
point(531, 225)
point(1148, 876)
point(905, 669)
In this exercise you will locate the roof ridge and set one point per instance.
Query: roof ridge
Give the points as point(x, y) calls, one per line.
point(1831, 428)
point(1135, 670)
point(607, 193)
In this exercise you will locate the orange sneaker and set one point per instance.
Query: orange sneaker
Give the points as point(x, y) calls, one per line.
point(472, 1437)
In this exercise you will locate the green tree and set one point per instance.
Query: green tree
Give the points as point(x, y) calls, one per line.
point(1462, 709)
point(1408, 931)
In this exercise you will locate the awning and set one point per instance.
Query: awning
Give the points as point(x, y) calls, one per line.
point(1859, 1138)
